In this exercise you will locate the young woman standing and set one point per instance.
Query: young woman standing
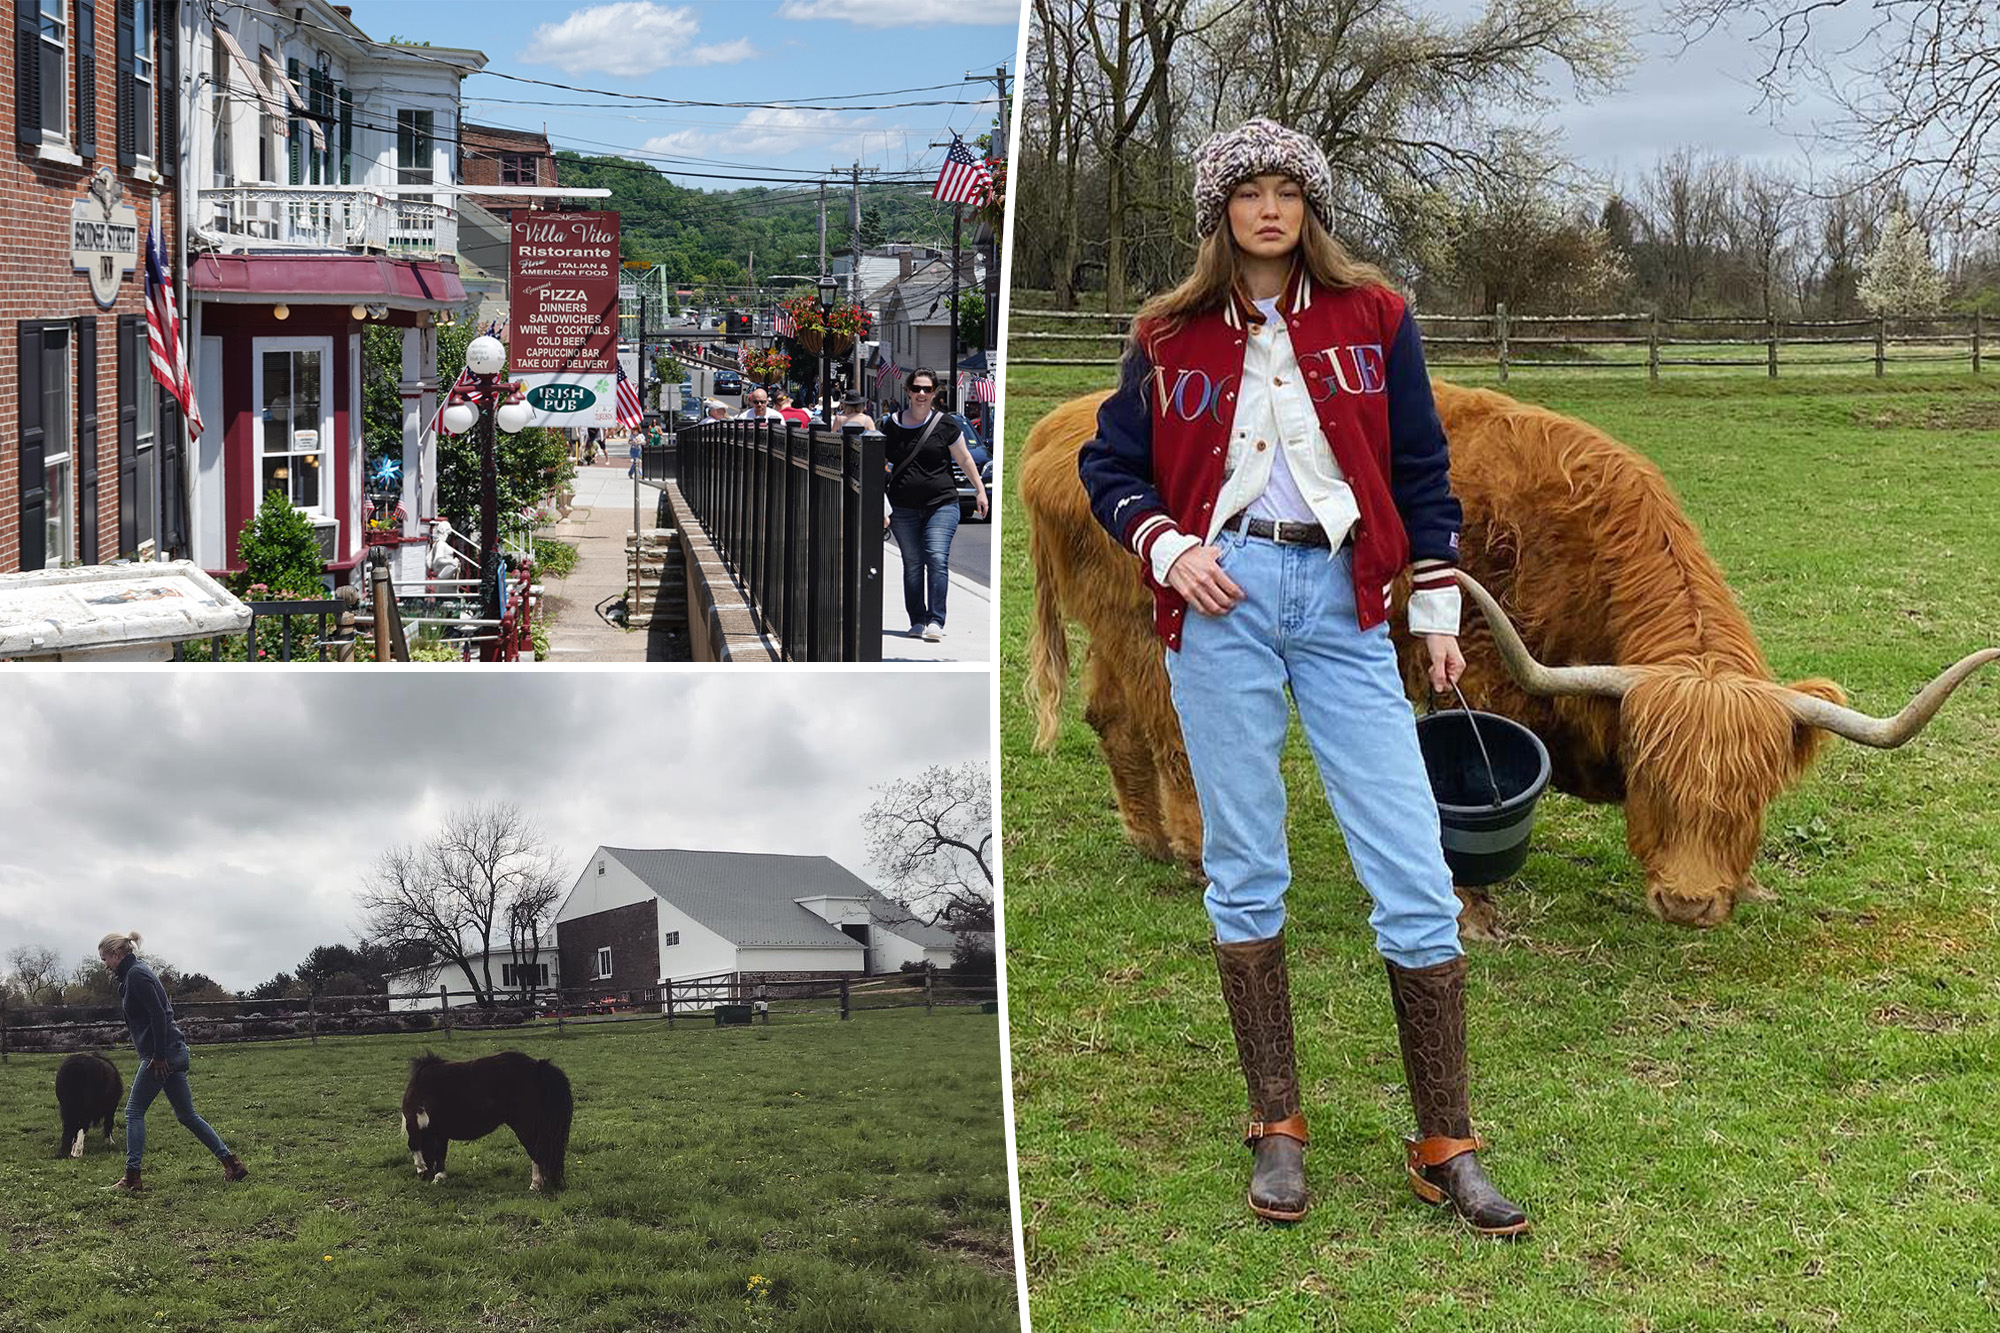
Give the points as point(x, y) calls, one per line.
point(163, 1060)
point(919, 444)
point(1274, 459)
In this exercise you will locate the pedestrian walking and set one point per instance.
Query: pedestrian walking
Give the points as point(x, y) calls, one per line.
point(759, 408)
point(920, 444)
point(852, 412)
point(1270, 550)
point(791, 412)
point(163, 1060)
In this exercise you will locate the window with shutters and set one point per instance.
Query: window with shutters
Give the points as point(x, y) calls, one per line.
point(293, 398)
point(53, 48)
point(142, 80)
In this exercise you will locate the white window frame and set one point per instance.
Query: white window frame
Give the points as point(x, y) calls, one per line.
point(145, 75)
point(60, 496)
point(61, 137)
point(324, 346)
point(670, 939)
point(603, 963)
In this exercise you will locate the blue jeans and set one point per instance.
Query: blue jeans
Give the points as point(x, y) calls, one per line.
point(145, 1087)
point(1296, 627)
point(924, 537)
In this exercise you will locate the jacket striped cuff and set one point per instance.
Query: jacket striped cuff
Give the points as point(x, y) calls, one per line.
point(1434, 598)
point(1167, 548)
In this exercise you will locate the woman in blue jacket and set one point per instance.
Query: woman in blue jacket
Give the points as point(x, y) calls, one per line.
point(163, 1060)
point(1273, 458)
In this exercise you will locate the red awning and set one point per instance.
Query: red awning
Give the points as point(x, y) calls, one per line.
point(400, 284)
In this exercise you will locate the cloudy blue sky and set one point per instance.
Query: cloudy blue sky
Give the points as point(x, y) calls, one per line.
point(734, 51)
point(229, 817)
point(1699, 93)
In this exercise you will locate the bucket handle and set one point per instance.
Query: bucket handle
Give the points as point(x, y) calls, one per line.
point(1492, 778)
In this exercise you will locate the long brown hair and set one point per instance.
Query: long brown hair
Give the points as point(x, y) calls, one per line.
point(1218, 271)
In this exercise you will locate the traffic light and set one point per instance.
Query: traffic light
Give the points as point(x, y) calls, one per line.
point(736, 326)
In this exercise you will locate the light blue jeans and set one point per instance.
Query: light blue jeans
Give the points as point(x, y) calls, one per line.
point(145, 1087)
point(1296, 628)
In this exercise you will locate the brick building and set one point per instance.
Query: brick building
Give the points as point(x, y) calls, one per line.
point(502, 157)
point(638, 917)
point(89, 445)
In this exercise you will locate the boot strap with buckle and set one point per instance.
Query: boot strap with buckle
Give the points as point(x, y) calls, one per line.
point(1291, 1127)
point(1438, 1149)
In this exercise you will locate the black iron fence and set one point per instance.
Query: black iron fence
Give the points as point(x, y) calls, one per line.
point(797, 513)
point(723, 1000)
point(283, 631)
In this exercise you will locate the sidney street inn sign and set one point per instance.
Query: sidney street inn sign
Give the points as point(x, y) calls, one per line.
point(562, 297)
point(104, 236)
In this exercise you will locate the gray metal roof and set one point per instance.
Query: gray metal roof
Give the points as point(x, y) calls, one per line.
point(749, 898)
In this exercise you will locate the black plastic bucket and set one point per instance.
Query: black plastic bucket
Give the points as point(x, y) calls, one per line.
point(1486, 772)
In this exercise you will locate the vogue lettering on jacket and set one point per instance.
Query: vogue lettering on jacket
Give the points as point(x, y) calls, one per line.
point(1193, 394)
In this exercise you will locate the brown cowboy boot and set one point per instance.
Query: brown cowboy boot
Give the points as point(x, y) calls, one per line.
point(233, 1169)
point(129, 1184)
point(1258, 990)
point(1442, 1160)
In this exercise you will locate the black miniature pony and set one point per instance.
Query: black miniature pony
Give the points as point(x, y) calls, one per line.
point(469, 1099)
point(88, 1089)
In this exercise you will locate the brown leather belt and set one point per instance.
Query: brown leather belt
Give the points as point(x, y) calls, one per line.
point(1285, 534)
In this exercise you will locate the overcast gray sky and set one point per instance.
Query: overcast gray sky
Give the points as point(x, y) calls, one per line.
point(1704, 97)
point(229, 816)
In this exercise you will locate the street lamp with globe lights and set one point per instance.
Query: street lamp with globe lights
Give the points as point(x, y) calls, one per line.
point(488, 403)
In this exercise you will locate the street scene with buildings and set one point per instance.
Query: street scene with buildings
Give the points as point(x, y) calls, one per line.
point(255, 248)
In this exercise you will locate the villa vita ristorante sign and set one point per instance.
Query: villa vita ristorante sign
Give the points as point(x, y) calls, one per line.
point(562, 296)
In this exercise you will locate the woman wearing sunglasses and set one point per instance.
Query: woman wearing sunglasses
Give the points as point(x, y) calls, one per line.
point(920, 444)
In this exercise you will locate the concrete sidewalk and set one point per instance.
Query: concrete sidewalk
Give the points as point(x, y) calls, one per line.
point(597, 525)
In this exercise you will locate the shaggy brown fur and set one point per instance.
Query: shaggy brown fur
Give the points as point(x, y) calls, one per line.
point(1584, 544)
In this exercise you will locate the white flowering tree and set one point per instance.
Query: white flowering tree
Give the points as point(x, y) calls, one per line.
point(1898, 279)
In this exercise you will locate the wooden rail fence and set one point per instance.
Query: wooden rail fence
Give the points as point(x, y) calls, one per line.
point(249, 1021)
point(1498, 337)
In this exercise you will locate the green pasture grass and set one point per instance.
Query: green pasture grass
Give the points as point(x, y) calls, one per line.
point(857, 1170)
point(1785, 1123)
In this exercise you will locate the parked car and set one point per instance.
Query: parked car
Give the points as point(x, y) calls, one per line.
point(728, 384)
point(968, 498)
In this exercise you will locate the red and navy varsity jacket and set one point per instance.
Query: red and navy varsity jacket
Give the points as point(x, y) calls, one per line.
point(1156, 465)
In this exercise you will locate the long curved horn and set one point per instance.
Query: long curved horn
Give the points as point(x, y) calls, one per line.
point(1609, 681)
point(1886, 733)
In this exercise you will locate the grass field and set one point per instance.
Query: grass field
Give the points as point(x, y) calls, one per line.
point(807, 1176)
point(1786, 1123)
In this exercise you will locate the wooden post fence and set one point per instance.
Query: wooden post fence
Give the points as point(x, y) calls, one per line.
point(843, 999)
point(1500, 334)
point(670, 1004)
point(1978, 321)
point(3, 1027)
point(1881, 344)
point(312, 1017)
point(927, 993)
point(444, 1010)
point(1771, 348)
point(764, 998)
point(1653, 347)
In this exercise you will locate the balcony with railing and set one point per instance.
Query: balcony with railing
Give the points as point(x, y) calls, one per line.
point(356, 218)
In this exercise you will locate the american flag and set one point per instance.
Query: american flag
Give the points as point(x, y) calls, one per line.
point(885, 373)
point(631, 413)
point(982, 389)
point(783, 324)
point(163, 330)
point(964, 179)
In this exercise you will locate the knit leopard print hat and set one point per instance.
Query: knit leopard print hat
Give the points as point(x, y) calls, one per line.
point(1256, 148)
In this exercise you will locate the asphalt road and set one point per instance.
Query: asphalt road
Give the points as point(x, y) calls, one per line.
point(972, 552)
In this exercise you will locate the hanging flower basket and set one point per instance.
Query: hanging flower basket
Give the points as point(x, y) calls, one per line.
point(810, 339)
point(837, 344)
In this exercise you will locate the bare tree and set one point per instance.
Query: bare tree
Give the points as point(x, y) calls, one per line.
point(931, 839)
point(38, 973)
point(1767, 217)
point(486, 871)
point(1917, 83)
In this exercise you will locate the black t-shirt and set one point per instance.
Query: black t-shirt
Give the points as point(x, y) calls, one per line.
point(927, 481)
